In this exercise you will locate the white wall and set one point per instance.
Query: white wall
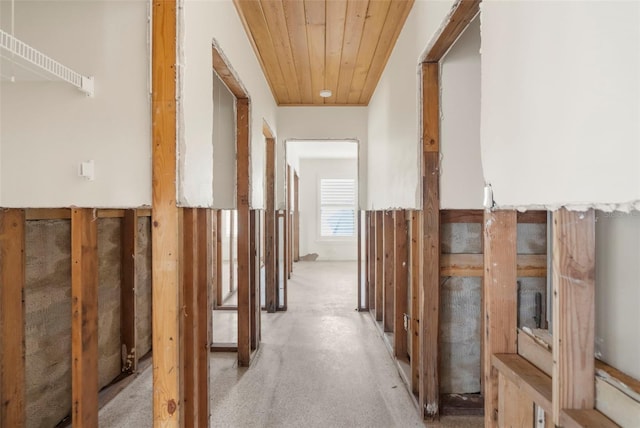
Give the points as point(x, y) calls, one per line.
point(561, 103)
point(311, 171)
point(461, 179)
point(48, 128)
point(224, 146)
point(394, 150)
point(203, 21)
point(618, 290)
point(319, 123)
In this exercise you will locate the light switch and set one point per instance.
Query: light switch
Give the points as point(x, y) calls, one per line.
point(87, 170)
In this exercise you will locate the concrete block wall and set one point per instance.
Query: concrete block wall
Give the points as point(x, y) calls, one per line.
point(48, 312)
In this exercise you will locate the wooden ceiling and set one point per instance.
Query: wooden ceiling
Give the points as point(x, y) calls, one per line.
point(305, 46)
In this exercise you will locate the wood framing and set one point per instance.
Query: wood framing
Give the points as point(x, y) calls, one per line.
point(296, 217)
point(516, 407)
point(189, 269)
point(388, 272)
point(12, 318)
point(573, 310)
point(254, 265)
point(371, 273)
point(401, 263)
point(379, 288)
point(242, 201)
point(129, 236)
point(462, 13)
point(203, 307)
point(416, 282)
point(500, 301)
point(290, 209)
point(430, 292)
point(270, 218)
point(219, 232)
point(84, 318)
point(359, 259)
point(167, 372)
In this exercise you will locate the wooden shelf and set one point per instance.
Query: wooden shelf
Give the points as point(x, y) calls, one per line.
point(532, 381)
point(573, 418)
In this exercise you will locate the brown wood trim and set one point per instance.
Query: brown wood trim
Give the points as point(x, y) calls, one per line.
point(12, 318)
point(379, 266)
point(270, 255)
point(500, 300)
point(461, 216)
point(371, 237)
point(189, 257)
point(431, 107)
point(462, 13)
point(227, 75)
point(416, 282)
point(219, 298)
point(203, 306)
point(128, 336)
point(243, 233)
point(167, 371)
point(296, 217)
point(84, 317)
point(388, 317)
point(430, 297)
point(401, 263)
point(224, 347)
point(573, 310)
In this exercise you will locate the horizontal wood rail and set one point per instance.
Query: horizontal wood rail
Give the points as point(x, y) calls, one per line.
point(572, 418)
point(529, 265)
point(65, 213)
point(533, 381)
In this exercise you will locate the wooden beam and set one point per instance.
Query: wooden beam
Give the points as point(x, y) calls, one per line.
point(460, 264)
point(461, 14)
point(254, 251)
point(287, 228)
point(461, 216)
point(532, 217)
point(84, 318)
point(244, 280)
point(212, 262)
point(416, 283)
point(189, 269)
point(167, 376)
point(371, 237)
point(296, 217)
point(128, 337)
point(515, 407)
point(271, 286)
point(219, 280)
point(227, 75)
point(389, 272)
point(379, 264)
point(204, 306)
point(573, 310)
point(12, 318)
point(500, 301)
point(401, 263)
point(430, 296)
point(431, 107)
point(359, 259)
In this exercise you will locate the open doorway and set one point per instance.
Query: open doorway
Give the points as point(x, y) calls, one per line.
point(324, 200)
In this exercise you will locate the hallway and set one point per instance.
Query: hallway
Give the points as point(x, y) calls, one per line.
point(321, 364)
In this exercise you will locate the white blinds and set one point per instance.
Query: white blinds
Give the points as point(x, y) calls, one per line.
point(337, 207)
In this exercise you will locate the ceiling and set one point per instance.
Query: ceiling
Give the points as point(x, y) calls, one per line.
point(305, 46)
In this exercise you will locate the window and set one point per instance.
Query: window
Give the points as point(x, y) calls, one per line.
point(337, 207)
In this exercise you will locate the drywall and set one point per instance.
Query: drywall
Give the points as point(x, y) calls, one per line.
point(321, 123)
point(617, 290)
point(224, 147)
point(311, 171)
point(48, 128)
point(394, 150)
point(561, 103)
point(461, 179)
point(202, 22)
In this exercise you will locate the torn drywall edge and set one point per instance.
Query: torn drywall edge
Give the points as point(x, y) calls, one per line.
point(180, 127)
point(625, 207)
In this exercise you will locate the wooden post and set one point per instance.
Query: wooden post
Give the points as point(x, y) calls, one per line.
point(388, 271)
point(219, 262)
point(270, 218)
point(167, 376)
point(254, 267)
point(84, 318)
point(359, 259)
point(296, 218)
point(573, 310)
point(190, 314)
point(500, 300)
point(429, 397)
point(416, 282)
point(129, 236)
point(244, 282)
point(12, 318)
point(401, 263)
point(233, 240)
point(287, 223)
point(371, 236)
point(203, 307)
point(379, 264)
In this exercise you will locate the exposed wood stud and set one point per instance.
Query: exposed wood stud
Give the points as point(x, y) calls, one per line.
point(516, 407)
point(189, 259)
point(463, 12)
point(430, 296)
point(219, 249)
point(416, 282)
point(500, 300)
point(573, 310)
point(204, 306)
point(12, 318)
point(379, 265)
point(431, 107)
point(401, 263)
point(271, 286)
point(165, 244)
point(389, 271)
point(243, 238)
point(296, 218)
point(359, 259)
point(84, 318)
point(129, 236)
point(371, 236)
point(254, 251)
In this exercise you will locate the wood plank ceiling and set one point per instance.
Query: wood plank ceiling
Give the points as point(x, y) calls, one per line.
point(305, 46)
